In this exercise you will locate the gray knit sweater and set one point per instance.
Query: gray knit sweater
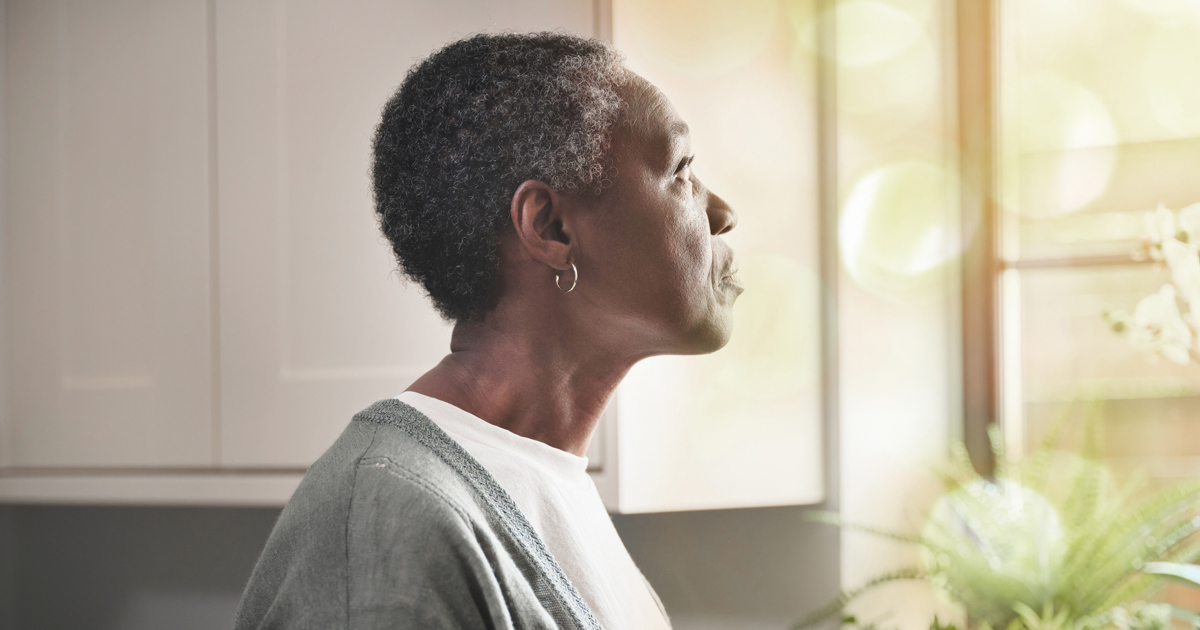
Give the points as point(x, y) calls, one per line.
point(396, 526)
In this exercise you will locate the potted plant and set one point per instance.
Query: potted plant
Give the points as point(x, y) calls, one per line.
point(1048, 543)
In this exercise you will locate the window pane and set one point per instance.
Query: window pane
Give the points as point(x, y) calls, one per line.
point(1149, 406)
point(1138, 178)
point(1100, 123)
point(1068, 347)
point(1101, 120)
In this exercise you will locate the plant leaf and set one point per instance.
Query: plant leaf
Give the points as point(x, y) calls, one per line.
point(833, 518)
point(834, 607)
point(1187, 573)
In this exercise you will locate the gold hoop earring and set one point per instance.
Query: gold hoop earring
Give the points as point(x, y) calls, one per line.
point(573, 282)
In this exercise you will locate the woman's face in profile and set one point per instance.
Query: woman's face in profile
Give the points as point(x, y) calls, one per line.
point(658, 255)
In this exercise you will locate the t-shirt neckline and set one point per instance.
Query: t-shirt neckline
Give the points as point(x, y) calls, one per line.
point(464, 425)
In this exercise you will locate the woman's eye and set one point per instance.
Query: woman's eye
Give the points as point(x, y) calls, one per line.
point(684, 172)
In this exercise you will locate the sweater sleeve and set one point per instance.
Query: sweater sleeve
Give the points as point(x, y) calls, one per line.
point(416, 558)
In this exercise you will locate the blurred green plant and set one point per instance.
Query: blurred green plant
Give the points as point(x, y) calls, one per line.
point(1048, 543)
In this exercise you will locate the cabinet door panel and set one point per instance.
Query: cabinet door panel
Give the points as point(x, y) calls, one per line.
point(315, 324)
point(108, 151)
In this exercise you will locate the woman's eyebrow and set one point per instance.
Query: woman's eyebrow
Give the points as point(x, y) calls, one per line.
point(678, 134)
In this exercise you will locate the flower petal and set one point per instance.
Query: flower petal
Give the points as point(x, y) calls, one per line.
point(1189, 223)
point(1184, 264)
point(1157, 326)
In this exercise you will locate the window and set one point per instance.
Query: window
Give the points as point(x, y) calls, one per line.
point(1100, 122)
point(1099, 115)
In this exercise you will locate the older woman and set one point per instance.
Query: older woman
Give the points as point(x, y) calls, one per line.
point(543, 196)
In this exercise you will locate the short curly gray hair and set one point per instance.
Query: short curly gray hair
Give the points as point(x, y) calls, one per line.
point(467, 126)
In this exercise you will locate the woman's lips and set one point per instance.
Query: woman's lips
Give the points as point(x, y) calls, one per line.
point(732, 279)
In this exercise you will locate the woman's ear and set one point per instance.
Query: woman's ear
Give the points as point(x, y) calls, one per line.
point(537, 213)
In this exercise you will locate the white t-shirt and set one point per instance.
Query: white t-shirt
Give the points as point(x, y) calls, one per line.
point(555, 492)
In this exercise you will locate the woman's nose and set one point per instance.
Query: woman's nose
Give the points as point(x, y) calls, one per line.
point(721, 218)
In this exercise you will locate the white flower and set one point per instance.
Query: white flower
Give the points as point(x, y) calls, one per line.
point(1189, 223)
point(1159, 225)
point(1157, 326)
point(1184, 263)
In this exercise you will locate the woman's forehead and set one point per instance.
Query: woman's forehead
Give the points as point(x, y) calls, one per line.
point(649, 116)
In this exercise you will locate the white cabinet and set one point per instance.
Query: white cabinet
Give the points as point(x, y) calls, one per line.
point(199, 296)
point(109, 243)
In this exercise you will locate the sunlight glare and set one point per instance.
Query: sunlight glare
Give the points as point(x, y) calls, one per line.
point(1172, 80)
point(1064, 118)
point(895, 225)
point(888, 76)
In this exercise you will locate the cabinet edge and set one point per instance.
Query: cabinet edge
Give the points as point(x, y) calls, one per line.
point(187, 489)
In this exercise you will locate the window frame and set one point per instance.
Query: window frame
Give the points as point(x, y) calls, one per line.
point(977, 55)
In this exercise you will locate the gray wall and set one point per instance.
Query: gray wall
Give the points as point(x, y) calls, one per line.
point(735, 569)
point(130, 567)
point(7, 570)
point(183, 568)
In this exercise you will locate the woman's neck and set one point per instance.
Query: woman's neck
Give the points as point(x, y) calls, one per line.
point(543, 381)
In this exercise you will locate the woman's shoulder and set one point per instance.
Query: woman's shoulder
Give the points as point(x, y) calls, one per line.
point(401, 522)
point(388, 454)
point(411, 450)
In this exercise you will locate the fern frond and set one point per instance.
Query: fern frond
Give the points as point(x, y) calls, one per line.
point(1139, 585)
point(1100, 541)
point(1090, 483)
point(839, 603)
point(1087, 488)
point(1051, 618)
point(1032, 620)
point(1187, 555)
point(1142, 551)
point(1148, 582)
point(1015, 624)
point(833, 518)
point(960, 464)
point(1093, 430)
point(1136, 482)
point(1034, 472)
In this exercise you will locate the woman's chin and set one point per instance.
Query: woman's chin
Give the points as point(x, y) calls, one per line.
point(712, 335)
